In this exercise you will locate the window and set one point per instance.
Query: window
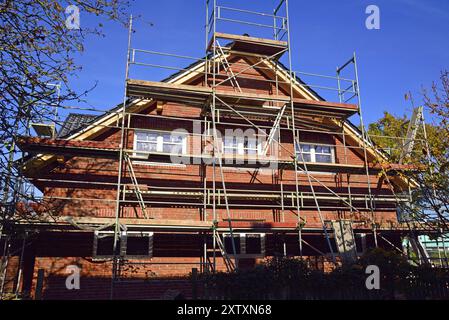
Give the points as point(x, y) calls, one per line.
point(158, 141)
point(103, 244)
point(305, 152)
point(253, 243)
point(241, 145)
point(323, 154)
point(130, 245)
point(315, 153)
point(249, 245)
point(228, 244)
point(137, 244)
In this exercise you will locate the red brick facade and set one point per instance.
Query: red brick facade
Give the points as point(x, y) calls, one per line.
point(81, 186)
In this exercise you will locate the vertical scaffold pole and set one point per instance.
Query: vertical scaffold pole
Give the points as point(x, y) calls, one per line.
point(293, 128)
point(215, 137)
point(365, 141)
point(214, 187)
point(295, 142)
point(117, 228)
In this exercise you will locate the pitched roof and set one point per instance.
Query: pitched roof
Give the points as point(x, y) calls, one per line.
point(81, 121)
point(73, 122)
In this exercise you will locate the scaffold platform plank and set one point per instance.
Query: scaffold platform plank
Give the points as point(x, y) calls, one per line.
point(257, 225)
point(262, 195)
point(104, 149)
point(197, 95)
point(196, 225)
point(260, 162)
point(101, 149)
point(325, 108)
point(247, 44)
point(81, 223)
point(194, 95)
point(168, 92)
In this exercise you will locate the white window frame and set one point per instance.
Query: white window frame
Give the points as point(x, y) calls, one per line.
point(243, 253)
point(240, 148)
point(97, 235)
point(159, 143)
point(124, 235)
point(313, 152)
point(134, 234)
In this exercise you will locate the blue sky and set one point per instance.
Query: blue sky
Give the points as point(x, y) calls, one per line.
point(409, 50)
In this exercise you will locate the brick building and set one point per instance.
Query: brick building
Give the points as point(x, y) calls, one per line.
point(232, 160)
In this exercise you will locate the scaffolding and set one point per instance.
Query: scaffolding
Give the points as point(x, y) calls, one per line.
point(219, 102)
point(220, 96)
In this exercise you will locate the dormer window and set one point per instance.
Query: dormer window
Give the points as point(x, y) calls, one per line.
point(315, 153)
point(241, 145)
point(159, 142)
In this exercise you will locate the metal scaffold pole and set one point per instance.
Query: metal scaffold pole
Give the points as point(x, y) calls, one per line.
point(296, 144)
point(365, 153)
point(122, 147)
point(240, 84)
point(217, 154)
point(294, 135)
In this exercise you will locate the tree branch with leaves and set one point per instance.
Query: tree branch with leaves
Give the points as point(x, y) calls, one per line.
point(430, 199)
point(37, 52)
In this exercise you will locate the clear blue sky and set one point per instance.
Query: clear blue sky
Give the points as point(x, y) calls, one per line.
point(409, 50)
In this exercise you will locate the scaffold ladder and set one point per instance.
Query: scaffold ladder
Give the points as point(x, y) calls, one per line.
point(274, 130)
point(416, 121)
point(228, 68)
point(136, 187)
point(230, 265)
point(419, 249)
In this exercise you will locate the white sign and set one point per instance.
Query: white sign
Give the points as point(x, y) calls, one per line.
point(373, 20)
point(373, 280)
point(73, 280)
point(72, 22)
